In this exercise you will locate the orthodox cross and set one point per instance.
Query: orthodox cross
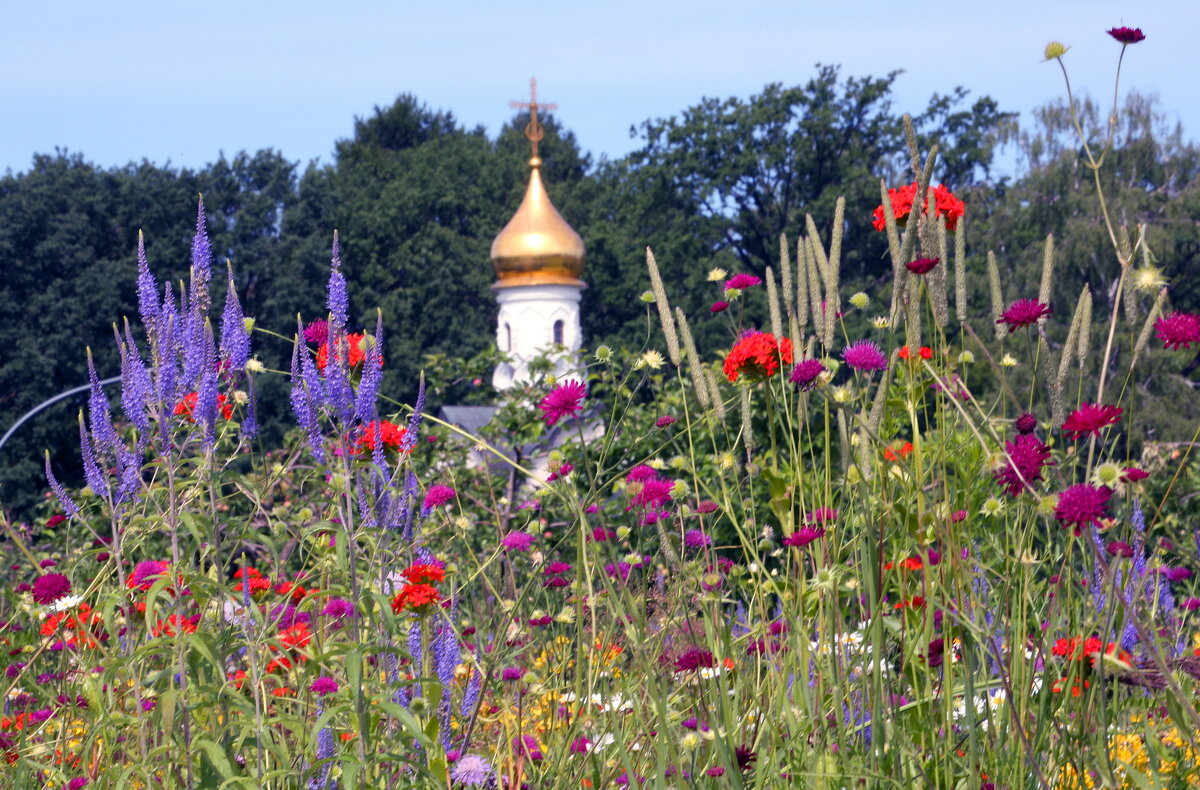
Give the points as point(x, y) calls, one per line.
point(533, 129)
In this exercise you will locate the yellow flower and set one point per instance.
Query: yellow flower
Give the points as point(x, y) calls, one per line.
point(650, 359)
point(716, 275)
point(1055, 49)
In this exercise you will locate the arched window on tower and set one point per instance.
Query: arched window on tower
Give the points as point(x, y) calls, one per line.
point(507, 337)
point(558, 332)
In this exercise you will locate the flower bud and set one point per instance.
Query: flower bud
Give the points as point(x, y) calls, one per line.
point(1055, 49)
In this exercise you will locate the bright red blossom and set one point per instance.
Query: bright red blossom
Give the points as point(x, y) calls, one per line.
point(187, 406)
point(356, 351)
point(391, 434)
point(415, 597)
point(424, 573)
point(945, 204)
point(757, 355)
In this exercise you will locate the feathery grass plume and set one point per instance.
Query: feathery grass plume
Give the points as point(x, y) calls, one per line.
point(843, 439)
point(785, 274)
point(817, 248)
point(1130, 301)
point(1148, 327)
point(810, 349)
point(880, 402)
point(802, 302)
point(664, 309)
point(1085, 326)
point(960, 270)
point(699, 385)
point(714, 393)
point(899, 270)
point(1047, 284)
point(747, 422)
point(936, 281)
point(993, 271)
point(910, 138)
point(773, 303)
point(1058, 385)
point(912, 321)
point(833, 287)
point(814, 290)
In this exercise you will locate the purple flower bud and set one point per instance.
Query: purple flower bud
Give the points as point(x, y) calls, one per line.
point(69, 508)
point(91, 470)
point(201, 263)
point(339, 304)
point(147, 289)
point(136, 388)
point(372, 374)
point(99, 417)
point(306, 387)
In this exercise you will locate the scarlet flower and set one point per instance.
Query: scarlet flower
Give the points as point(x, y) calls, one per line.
point(757, 355)
point(945, 204)
point(1089, 419)
point(416, 597)
point(924, 352)
point(905, 450)
point(355, 353)
point(187, 406)
point(424, 573)
point(391, 434)
point(295, 636)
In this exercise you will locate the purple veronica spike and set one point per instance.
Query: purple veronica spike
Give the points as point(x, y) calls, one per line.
point(69, 508)
point(99, 418)
point(192, 343)
point(304, 404)
point(414, 422)
point(1098, 571)
point(250, 421)
point(339, 390)
point(339, 304)
point(445, 646)
point(91, 470)
point(206, 398)
point(235, 343)
point(147, 289)
point(372, 373)
point(136, 388)
point(474, 686)
point(201, 262)
point(414, 642)
point(129, 475)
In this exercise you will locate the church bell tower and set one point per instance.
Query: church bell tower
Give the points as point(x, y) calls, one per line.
point(538, 259)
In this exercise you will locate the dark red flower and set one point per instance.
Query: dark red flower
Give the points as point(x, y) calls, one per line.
point(1127, 35)
point(49, 588)
point(1082, 505)
point(923, 265)
point(1022, 313)
point(1090, 418)
point(1178, 330)
point(1026, 423)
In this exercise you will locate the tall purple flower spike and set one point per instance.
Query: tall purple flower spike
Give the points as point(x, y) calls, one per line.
point(306, 388)
point(201, 261)
point(99, 417)
point(235, 343)
point(91, 470)
point(339, 303)
point(147, 289)
point(206, 397)
point(69, 508)
point(372, 373)
point(136, 388)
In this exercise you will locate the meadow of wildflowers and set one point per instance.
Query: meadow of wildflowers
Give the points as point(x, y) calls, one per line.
point(899, 541)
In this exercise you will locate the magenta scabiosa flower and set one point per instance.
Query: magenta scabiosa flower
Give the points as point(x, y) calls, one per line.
point(923, 265)
point(1082, 505)
point(1178, 330)
point(803, 536)
point(146, 573)
point(822, 515)
point(742, 281)
point(1022, 313)
point(718, 306)
point(696, 539)
point(50, 587)
point(1026, 423)
point(338, 609)
point(1090, 418)
point(1027, 457)
point(517, 541)
point(565, 400)
point(526, 745)
point(317, 332)
point(437, 496)
point(1127, 35)
point(323, 685)
point(805, 374)
point(864, 355)
point(512, 673)
point(664, 421)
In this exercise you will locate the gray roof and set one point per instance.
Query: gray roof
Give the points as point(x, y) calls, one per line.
point(470, 418)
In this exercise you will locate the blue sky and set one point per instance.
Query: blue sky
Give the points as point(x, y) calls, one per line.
point(181, 82)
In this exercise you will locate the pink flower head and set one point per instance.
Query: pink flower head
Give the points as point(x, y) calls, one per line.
point(742, 281)
point(565, 400)
point(512, 673)
point(1026, 423)
point(323, 685)
point(640, 474)
point(805, 374)
point(1082, 505)
point(719, 306)
point(317, 332)
point(1089, 419)
point(822, 515)
point(1022, 313)
point(803, 536)
point(50, 587)
point(1178, 330)
point(707, 506)
point(664, 421)
point(1132, 474)
point(527, 745)
point(864, 355)
point(1119, 548)
point(1127, 35)
point(1028, 456)
point(338, 609)
point(696, 539)
point(437, 496)
point(923, 265)
point(146, 572)
point(562, 471)
point(517, 541)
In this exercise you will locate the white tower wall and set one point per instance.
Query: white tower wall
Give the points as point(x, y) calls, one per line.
point(530, 317)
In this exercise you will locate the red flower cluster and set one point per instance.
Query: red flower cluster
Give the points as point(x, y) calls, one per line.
point(187, 406)
point(1092, 648)
point(946, 204)
point(899, 453)
point(757, 355)
point(355, 354)
point(419, 593)
point(82, 627)
point(925, 352)
point(391, 434)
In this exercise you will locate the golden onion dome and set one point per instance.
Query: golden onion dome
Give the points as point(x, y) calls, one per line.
point(537, 246)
